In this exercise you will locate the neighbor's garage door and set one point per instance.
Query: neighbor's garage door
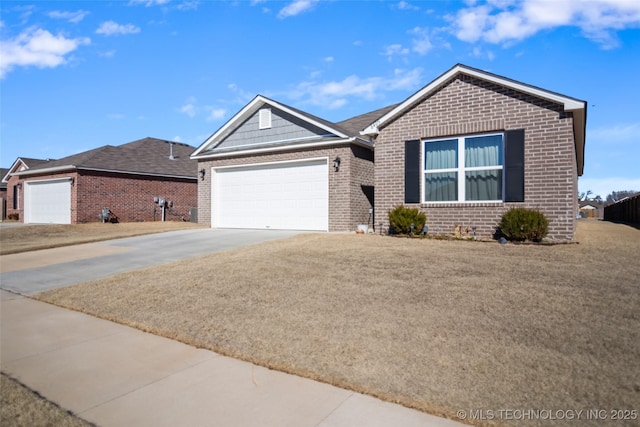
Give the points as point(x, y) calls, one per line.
point(48, 202)
point(285, 196)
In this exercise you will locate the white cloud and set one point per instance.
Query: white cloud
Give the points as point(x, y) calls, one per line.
point(189, 108)
point(110, 28)
point(107, 54)
point(329, 59)
point(116, 116)
point(394, 49)
point(506, 21)
point(37, 47)
point(73, 17)
point(188, 5)
point(615, 134)
point(478, 52)
point(403, 5)
point(216, 114)
point(335, 94)
point(148, 3)
point(422, 41)
point(296, 7)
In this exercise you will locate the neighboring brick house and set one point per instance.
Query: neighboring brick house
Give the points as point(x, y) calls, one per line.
point(471, 144)
point(273, 166)
point(3, 195)
point(127, 179)
point(13, 185)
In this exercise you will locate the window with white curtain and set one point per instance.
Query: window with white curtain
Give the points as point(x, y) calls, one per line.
point(465, 168)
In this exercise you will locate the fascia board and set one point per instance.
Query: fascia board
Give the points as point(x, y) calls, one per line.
point(240, 117)
point(13, 167)
point(306, 118)
point(57, 169)
point(138, 173)
point(282, 148)
point(45, 170)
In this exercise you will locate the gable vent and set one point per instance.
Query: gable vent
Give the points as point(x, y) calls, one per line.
point(265, 119)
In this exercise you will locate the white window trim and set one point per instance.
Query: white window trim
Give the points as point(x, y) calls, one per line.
point(460, 170)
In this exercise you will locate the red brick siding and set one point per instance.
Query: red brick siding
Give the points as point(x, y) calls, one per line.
point(11, 182)
point(345, 205)
point(467, 105)
point(130, 197)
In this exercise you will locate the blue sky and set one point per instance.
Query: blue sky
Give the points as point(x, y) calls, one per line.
point(77, 75)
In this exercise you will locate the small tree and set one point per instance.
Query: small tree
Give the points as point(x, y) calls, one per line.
point(401, 218)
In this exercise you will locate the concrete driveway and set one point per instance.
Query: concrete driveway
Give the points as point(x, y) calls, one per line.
point(31, 272)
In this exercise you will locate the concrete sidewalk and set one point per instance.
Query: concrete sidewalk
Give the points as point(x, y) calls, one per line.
point(113, 375)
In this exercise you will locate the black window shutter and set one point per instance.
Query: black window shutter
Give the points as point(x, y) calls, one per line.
point(514, 165)
point(412, 171)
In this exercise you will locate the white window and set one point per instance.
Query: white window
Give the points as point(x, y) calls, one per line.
point(465, 168)
point(265, 118)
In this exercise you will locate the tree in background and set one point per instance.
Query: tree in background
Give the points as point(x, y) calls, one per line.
point(619, 195)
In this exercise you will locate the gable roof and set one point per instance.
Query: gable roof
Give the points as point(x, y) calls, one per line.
point(147, 156)
point(335, 132)
point(576, 106)
point(21, 164)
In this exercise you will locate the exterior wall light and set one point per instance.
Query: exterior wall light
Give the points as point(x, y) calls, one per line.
point(336, 164)
point(202, 174)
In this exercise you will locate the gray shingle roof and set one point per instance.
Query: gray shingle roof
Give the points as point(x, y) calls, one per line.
point(144, 156)
point(355, 124)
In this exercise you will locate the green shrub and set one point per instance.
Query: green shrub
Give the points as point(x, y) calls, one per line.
point(524, 224)
point(401, 218)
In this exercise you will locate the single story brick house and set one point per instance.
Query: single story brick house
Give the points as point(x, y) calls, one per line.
point(130, 180)
point(463, 149)
point(3, 195)
point(471, 144)
point(273, 166)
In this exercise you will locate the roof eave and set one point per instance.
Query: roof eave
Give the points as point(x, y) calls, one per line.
point(233, 153)
point(54, 169)
point(65, 168)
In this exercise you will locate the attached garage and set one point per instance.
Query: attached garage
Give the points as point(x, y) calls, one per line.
point(286, 195)
point(47, 202)
point(272, 166)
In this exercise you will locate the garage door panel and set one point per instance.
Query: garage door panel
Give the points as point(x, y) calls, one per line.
point(48, 202)
point(279, 196)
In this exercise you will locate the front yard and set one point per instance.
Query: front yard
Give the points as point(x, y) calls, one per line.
point(441, 326)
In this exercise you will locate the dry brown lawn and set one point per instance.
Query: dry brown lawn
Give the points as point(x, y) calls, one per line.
point(33, 237)
point(21, 407)
point(440, 326)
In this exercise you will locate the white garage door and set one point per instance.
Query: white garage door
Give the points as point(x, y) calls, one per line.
point(284, 196)
point(48, 202)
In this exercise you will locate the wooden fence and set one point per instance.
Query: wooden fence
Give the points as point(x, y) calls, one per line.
point(626, 210)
